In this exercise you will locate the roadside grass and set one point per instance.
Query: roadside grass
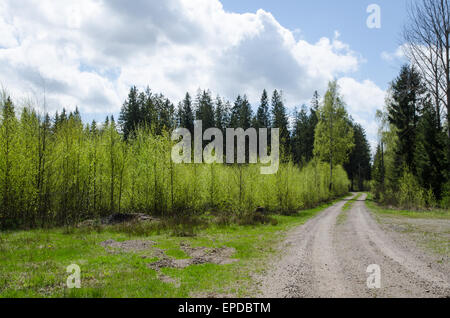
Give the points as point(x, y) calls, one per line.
point(33, 263)
point(432, 238)
point(342, 217)
point(426, 214)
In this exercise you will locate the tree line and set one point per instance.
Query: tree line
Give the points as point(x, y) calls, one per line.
point(57, 170)
point(412, 162)
point(297, 130)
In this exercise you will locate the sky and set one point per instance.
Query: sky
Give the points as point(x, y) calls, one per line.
point(87, 53)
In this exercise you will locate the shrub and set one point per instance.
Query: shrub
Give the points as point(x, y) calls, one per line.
point(411, 195)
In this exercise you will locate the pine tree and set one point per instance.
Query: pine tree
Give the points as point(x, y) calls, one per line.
point(245, 114)
point(130, 115)
point(429, 157)
point(403, 110)
point(263, 112)
point(300, 147)
point(235, 119)
point(205, 110)
point(166, 120)
point(148, 109)
point(280, 120)
point(186, 114)
point(220, 114)
point(358, 165)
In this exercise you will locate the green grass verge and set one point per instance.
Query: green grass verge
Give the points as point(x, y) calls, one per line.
point(427, 237)
point(33, 263)
point(342, 217)
point(428, 214)
point(348, 205)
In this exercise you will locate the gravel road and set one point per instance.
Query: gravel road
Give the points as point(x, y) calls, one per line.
point(329, 258)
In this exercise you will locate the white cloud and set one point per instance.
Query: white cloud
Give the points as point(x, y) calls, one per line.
point(363, 100)
point(89, 52)
point(397, 55)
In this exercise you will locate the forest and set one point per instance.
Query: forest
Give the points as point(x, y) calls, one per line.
point(58, 170)
point(411, 167)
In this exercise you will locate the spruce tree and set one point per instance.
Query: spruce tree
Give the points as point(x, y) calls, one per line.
point(429, 157)
point(205, 110)
point(280, 120)
point(300, 147)
point(186, 114)
point(358, 165)
point(404, 112)
point(263, 112)
point(130, 115)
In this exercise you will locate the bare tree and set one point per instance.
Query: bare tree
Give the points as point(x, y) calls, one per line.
point(427, 46)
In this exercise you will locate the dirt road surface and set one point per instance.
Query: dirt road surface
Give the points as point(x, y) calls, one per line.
point(329, 256)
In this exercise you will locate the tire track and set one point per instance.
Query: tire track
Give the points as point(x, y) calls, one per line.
point(307, 268)
point(324, 259)
point(405, 275)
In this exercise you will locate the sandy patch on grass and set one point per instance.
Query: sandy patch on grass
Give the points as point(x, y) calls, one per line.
point(199, 255)
point(129, 246)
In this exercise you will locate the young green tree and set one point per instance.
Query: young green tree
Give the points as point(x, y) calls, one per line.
point(8, 160)
point(334, 135)
point(378, 172)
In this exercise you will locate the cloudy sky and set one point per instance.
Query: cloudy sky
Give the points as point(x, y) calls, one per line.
point(87, 53)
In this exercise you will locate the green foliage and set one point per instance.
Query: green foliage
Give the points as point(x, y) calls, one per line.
point(403, 113)
point(411, 138)
point(145, 109)
point(445, 202)
point(358, 165)
point(429, 156)
point(263, 114)
point(67, 172)
point(89, 173)
point(303, 133)
point(333, 140)
point(280, 120)
point(410, 195)
point(334, 136)
point(241, 113)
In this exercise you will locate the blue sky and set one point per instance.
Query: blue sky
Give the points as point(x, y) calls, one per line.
point(319, 18)
point(87, 53)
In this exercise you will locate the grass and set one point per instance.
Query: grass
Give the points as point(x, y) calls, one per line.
point(342, 217)
point(429, 237)
point(33, 263)
point(426, 214)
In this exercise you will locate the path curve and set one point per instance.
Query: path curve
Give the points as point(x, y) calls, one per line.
point(326, 258)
